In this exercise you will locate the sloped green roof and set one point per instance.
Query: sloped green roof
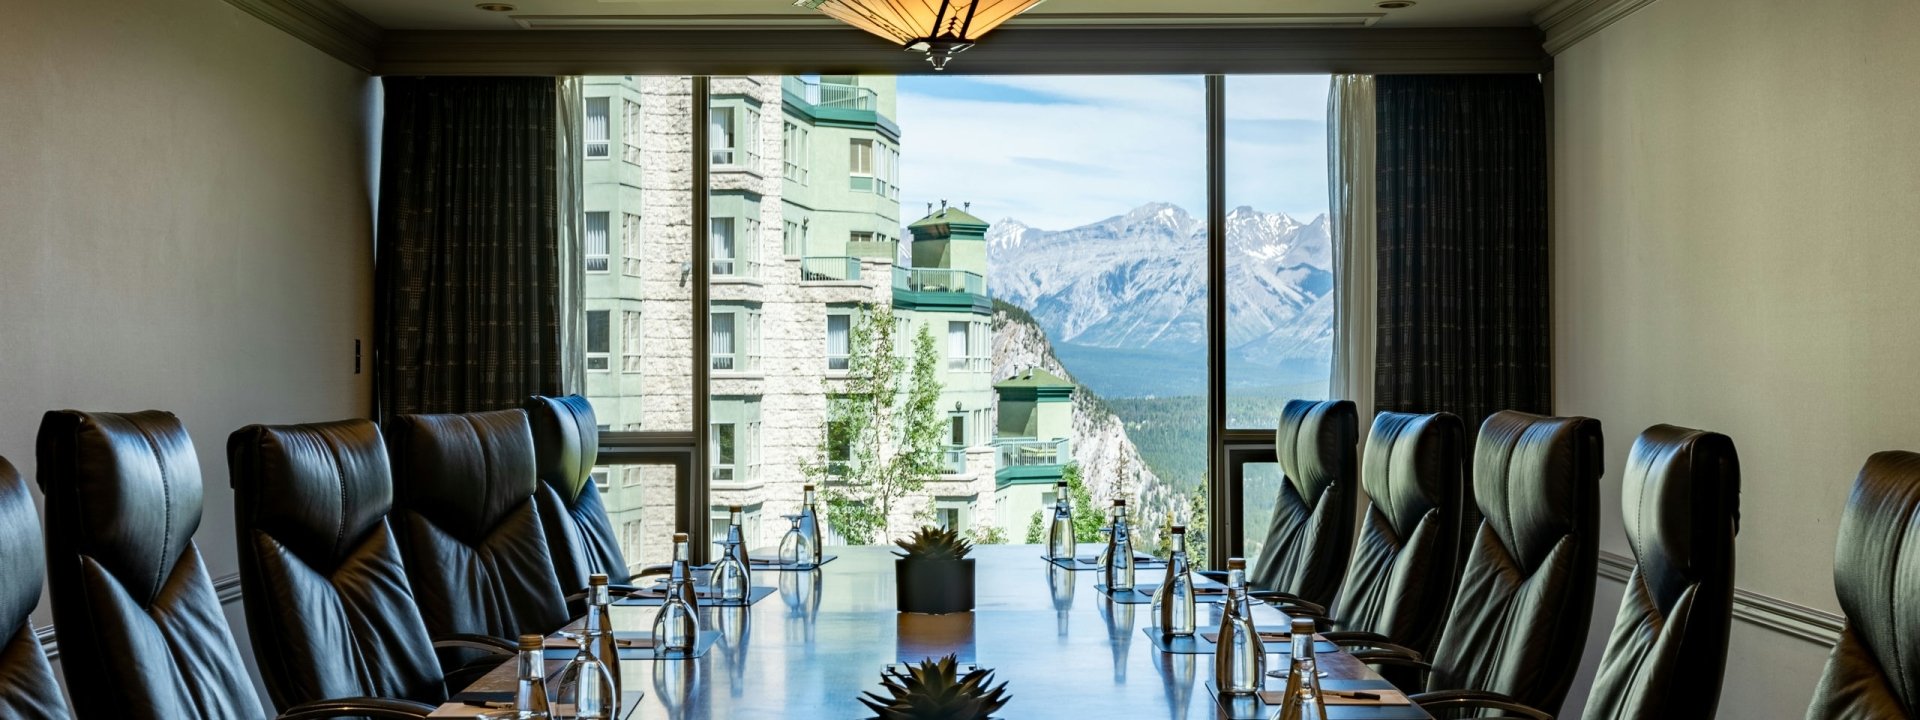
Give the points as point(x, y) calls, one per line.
point(948, 216)
point(1033, 378)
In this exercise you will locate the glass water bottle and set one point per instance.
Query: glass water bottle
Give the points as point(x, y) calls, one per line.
point(677, 625)
point(731, 576)
point(1303, 700)
point(1060, 544)
point(590, 684)
point(1106, 544)
point(1173, 603)
point(1120, 551)
point(810, 524)
point(1240, 661)
point(531, 698)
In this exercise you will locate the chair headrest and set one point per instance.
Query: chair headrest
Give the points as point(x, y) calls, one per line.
point(1316, 445)
point(566, 442)
point(122, 489)
point(464, 472)
point(1680, 503)
point(1413, 464)
point(316, 488)
point(22, 559)
point(1877, 558)
point(1534, 479)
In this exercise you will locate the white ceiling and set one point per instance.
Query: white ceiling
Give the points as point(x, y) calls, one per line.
point(634, 14)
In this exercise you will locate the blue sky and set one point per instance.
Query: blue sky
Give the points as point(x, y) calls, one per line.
point(1058, 152)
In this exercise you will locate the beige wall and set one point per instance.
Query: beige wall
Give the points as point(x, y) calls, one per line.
point(184, 225)
point(1737, 200)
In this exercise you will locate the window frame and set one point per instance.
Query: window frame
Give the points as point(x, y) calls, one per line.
point(603, 142)
point(608, 252)
point(844, 357)
point(605, 356)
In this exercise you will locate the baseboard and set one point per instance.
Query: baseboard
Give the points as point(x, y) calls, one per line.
point(227, 587)
point(1760, 610)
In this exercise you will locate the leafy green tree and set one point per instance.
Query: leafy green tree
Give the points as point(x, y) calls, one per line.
point(1087, 519)
point(987, 534)
point(884, 429)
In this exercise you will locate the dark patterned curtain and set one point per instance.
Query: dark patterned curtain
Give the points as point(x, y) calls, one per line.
point(1462, 202)
point(467, 281)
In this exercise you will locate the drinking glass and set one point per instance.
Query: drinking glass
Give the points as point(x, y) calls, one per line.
point(795, 549)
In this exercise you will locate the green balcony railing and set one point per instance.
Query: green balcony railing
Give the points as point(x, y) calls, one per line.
point(938, 280)
point(1028, 452)
point(829, 269)
point(831, 94)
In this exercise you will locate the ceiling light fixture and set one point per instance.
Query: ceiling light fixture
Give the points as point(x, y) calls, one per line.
point(941, 30)
point(495, 7)
point(1394, 4)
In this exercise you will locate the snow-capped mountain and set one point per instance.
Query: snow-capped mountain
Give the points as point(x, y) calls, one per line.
point(1124, 299)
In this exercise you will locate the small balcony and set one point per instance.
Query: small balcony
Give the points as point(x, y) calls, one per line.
point(954, 460)
point(1028, 452)
point(938, 280)
point(840, 96)
point(829, 269)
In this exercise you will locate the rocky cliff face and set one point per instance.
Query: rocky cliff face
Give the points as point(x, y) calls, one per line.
point(1100, 443)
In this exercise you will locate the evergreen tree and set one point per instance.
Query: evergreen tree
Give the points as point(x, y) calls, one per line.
point(884, 429)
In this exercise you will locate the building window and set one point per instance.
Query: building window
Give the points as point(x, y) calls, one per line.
point(724, 349)
point(723, 452)
point(631, 538)
point(597, 122)
point(794, 142)
point(724, 259)
point(720, 137)
point(790, 242)
point(839, 340)
point(598, 339)
point(630, 243)
point(631, 356)
point(630, 131)
point(839, 448)
point(860, 164)
point(597, 250)
point(959, 348)
point(601, 479)
point(957, 429)
point(750, 138)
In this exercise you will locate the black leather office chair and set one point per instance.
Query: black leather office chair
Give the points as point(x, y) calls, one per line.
point(1873, 672)
point(1311, 534)
point(142, 632)
point(1518, 625)
point(1680, 502)
point(1401, 578)
point(331, 612)
point(566, 443)
point(27, 688)
point(475, 550)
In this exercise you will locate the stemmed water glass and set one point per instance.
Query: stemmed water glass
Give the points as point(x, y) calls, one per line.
point(796, 551)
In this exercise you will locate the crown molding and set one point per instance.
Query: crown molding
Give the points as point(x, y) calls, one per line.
point(324, 24)
point(734, 22)
point(226, 587)
point(1566, 22)
point(1758, 609)
point(1013, 50)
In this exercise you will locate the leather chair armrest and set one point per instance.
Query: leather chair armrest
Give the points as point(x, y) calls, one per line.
point(484, 643)
point(1284, 598)
point(1373, 641)
point(653, 570)
point(579, 597)
point(379, 708)
point(1474, 699)
point(1321, 623)
point(1219, 576)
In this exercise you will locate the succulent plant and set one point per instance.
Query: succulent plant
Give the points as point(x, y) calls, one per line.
point(932, 690)
point(933, 543)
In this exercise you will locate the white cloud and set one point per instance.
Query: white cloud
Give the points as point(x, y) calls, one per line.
point(1058, 152)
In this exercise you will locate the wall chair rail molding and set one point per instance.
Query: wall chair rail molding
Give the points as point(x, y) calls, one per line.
point(226, 587)
point(1787, 618)
point(1566, 22)
point(324, 24)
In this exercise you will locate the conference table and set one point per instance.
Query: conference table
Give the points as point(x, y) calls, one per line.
point(823, 637)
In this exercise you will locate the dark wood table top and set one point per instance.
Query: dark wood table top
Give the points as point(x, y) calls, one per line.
point(1064, 649)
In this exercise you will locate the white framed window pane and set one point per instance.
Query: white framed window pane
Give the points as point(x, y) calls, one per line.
point(597, 250)
point(597, 127)
point(599, 339)
point(720, 137)
point(723, 452)
point(723, 341)
point(957, 345)
point(839, 327)
point(860, 157)
point(723, 246)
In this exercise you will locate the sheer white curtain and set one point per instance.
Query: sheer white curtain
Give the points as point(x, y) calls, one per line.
point(569, 105)
point(1350, 169)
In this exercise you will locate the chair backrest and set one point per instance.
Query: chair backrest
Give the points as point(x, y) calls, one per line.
point(1680, 502)
point(475, 552)
point(1312, 529)
point(1519, 620)
point(566, 443)
point(1873, 671)
point(27, 688)
point(142, 632)
point(1405, 562)
point(331, 613)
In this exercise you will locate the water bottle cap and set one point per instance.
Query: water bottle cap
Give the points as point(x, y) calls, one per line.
point(1303, 626)
point(596, 579)
point(733, 508)
point(1179, 529)
point(1236, 563)
point(1121, 502)
point(809, 487)
point(532, 642)
point(679, 537)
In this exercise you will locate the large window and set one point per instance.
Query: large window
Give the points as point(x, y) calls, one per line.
point(598, 125)
point(839, 339)
point(599, 340)
point(723, 137)
point(597, 250)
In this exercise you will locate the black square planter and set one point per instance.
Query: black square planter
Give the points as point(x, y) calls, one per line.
point(933, 587)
